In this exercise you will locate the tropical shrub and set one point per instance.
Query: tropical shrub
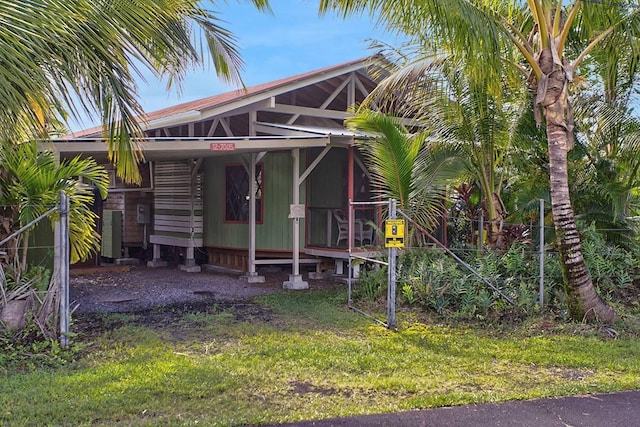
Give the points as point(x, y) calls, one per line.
point(371, 286)
point(440, 284)
point(613, 268)
point(431, 279)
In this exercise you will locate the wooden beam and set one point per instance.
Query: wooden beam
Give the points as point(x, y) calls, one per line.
point(327, 101)
point(350, 214)
point(261, 155)
point(189, 148)
point(313, 164)
point(253, 118)
point(335, 93)
point(364, 169)
point(363, 90)
point(308, 111)
point(241, 107)
point(214, 126)
point(194, 172)
point(252, 215)
point(225, 125)
point(351, 91)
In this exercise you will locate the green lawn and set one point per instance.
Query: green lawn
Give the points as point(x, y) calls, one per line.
point(306, 356)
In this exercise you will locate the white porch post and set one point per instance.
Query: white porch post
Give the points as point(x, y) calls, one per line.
point(295, 279)
point(252, 215)
point(157, 261)
point(252, 275)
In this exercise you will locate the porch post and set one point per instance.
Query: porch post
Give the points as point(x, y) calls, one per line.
point(350, 193)
point(295, 279)
point(252, 274)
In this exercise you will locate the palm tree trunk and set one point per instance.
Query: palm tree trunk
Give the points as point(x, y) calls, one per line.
point(582, 299)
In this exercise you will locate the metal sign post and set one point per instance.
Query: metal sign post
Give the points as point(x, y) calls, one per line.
point(394, 238)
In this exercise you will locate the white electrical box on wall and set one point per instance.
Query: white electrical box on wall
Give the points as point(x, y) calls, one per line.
point(143, 214)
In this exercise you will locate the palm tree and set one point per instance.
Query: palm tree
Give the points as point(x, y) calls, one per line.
point(436, 95)
point(543, 41)
point(609, 136)
point(407, 167)
point(608, 171)
point(31, 183)
point(67, 57)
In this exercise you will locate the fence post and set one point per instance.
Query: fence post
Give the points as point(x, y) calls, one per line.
point(63, 268)
point(541, 249)
point(391, 289)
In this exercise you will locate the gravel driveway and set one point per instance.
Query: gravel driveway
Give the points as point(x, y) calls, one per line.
point(144, 288)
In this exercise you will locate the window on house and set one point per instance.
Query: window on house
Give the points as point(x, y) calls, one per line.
point(237, 193)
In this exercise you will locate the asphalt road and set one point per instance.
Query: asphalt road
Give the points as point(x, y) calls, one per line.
point(608, 410)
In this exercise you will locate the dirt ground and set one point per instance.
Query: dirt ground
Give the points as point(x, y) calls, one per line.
point(160, 297)
point(143, 288)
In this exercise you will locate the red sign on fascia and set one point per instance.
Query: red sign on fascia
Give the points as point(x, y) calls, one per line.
point(222, 146)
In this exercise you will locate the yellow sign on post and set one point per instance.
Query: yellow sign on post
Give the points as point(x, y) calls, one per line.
point(394, 233)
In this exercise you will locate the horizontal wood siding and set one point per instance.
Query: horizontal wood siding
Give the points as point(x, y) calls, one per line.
point(114, 202)
point(177, 200)
point(275, 233)
point(132, 232)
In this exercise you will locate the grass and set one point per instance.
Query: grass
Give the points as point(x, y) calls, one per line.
point(308, 357)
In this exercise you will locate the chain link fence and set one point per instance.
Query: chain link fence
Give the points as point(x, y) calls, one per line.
point(29, 295)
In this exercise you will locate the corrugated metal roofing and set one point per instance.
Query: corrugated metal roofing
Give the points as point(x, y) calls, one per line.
point(229, 97)
point(318, 130)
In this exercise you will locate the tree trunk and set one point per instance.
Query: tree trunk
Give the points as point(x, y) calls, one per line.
point(583, 301)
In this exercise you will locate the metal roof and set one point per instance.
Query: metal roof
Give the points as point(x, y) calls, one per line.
point(189, 148)
point(316, 130)
point(194, 110)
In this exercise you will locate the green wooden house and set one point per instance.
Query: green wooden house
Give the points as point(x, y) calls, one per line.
point(256, 176)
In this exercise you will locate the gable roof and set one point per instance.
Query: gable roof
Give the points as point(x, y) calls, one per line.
point(194, 110)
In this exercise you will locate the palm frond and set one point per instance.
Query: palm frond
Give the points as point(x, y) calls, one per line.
point(32, 182)
point(82, 57)
point(391, 153)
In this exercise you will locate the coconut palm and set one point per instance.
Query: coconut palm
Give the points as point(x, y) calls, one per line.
point(74, 57)
point(436, 95)
point(608, 172)
point(543, 41)
point(609, 135)
point(407, 167)
point(31, 183)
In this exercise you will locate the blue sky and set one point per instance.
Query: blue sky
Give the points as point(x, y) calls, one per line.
point(293, 39)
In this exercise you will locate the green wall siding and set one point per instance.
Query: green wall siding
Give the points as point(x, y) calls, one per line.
point(41, 245)
point(275, 233)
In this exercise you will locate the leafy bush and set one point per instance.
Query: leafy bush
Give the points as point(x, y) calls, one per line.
point(372, 283)
point(612, 267)
point(435, 281)
point(439, 283)
point(18, 355)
